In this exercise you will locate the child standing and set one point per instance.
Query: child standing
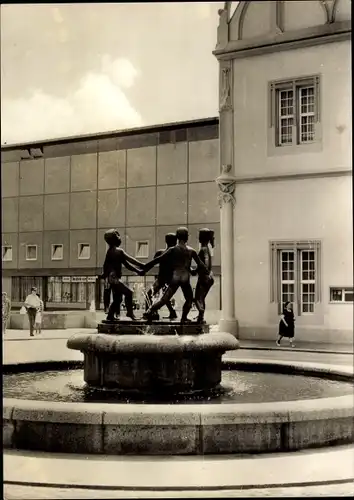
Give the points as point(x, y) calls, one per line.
point(287, 324)
point(39, 313)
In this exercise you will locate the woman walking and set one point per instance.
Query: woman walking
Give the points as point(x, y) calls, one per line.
point(287, 324)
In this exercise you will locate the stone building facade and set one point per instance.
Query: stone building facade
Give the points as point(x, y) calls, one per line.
point(286, 159)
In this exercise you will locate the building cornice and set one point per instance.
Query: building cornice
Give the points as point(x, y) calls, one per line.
point(290, 177)
point(200, 122)
point(317, 35)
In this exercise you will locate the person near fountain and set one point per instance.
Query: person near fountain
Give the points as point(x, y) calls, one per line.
point(287, 324)
point(112, 271)
point(39, 316)
point(6, 311)
point(178, 259)
point(163, 278)
point(32, 305)
point(205, 279)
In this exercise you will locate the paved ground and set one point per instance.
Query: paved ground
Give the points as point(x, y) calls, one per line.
point(50, 345)
point(16, 335)
point(15, 492)
point(329, 470)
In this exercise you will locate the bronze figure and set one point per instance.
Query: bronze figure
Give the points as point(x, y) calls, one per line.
point(178, 259)
point(205, 279)
point(112, 271)
point(163, 278)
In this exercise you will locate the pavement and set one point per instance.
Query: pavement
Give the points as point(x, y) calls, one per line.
point(50, 345)
point(21, 492)
point(301, 346)
point(53, 476)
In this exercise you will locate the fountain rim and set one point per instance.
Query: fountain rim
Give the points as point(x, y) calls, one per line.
point(213, 413)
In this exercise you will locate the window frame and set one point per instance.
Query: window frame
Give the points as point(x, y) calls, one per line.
point(276, 247)
point(29, 259)
point(343, 290)
point(80, 247)
point(300, 114)
point(287, 282)
point(280, 118)
point(294, 84)
point(52, 253)
point(307, 282)
point(3, 253)
point(144, 242)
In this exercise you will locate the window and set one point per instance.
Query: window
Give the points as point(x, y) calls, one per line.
point(84, 251)
point(287, 277)
point(142, 250)
point(31, 252)
point(295, 274)
point(7, 253)
point(57, 252)
point(21, 287)
point(345, 294)
point(307, 280)
point(71, 289)
point(295, 111)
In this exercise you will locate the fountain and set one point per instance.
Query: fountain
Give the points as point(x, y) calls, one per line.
point(154, 387)
point(174, 358)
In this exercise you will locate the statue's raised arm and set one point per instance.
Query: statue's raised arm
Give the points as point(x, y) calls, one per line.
point(131, 260)
point(133, 264)
point(157, 260)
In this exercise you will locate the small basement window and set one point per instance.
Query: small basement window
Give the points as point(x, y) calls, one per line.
point(341, 294)
point(142, 250)
point(7, 253)
point(31, 252)
point(84, 251)
point(57, 252)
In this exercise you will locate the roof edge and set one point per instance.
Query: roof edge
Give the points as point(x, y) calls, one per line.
point(113, 133)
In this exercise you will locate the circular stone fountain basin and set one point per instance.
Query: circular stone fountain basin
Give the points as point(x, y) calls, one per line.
point(236, 387)
point(169, 364)
point(260, 425)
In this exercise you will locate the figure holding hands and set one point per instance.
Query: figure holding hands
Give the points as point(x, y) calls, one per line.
point(178, 259)
point(205, 279)
point(164, 277)
point(112, 271)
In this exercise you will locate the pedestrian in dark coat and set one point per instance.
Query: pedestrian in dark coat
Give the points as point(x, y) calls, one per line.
point(287, 324)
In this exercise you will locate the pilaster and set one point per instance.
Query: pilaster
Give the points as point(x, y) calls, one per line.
point(226, 197)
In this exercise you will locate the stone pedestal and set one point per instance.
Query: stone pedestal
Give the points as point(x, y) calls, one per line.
point(141, 327)
point(153, 364)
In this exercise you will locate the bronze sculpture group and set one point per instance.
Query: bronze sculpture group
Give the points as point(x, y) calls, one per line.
point(174, 272)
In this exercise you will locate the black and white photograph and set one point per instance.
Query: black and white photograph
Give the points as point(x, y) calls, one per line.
point(177, 250)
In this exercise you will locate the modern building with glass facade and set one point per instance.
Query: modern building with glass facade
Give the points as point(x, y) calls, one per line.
point(59, 197)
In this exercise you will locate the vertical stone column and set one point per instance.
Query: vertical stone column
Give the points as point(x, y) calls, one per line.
point(226, 183)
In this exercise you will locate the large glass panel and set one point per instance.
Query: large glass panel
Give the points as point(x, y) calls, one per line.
point(308, 281)
point(21, 287)
point(286, 116)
